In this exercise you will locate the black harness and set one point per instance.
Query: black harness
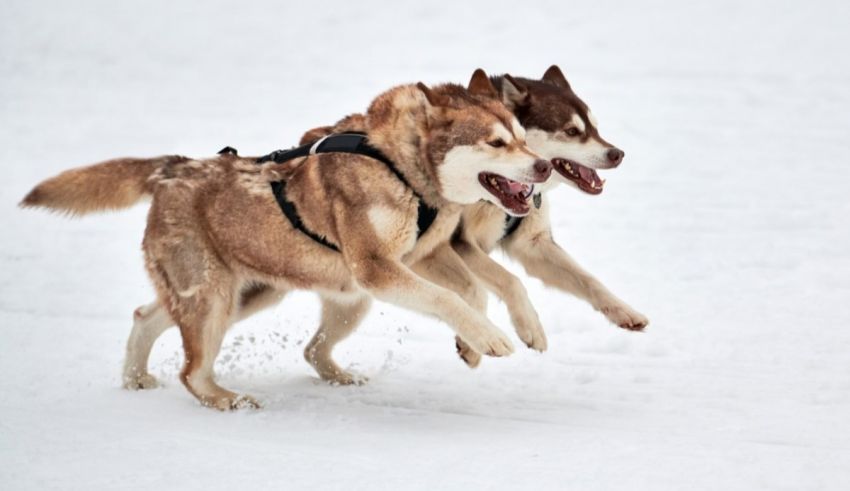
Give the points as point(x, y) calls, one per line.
point(355, 143)
point(512, 223)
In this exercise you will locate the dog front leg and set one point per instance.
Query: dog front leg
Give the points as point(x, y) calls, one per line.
point(445, 268)
point(544, 259)
point(510, 289)
point(391, 281)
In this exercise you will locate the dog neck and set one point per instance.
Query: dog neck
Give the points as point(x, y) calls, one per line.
point(397, 125)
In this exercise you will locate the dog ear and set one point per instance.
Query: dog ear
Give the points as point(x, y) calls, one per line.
point(437, 109)
point(435, 100)
point(481, 85)
point(554, 76)
point(514, 94)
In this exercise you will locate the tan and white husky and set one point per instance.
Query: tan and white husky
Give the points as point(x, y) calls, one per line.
point(216, 244)
point(564, 130)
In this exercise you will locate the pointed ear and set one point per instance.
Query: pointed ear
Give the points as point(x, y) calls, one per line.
point(481, 85)
point(554, 76)
point(437, 110)
point(435, 100)
point(514, 94)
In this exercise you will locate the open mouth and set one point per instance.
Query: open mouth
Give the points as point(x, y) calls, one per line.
point(512, 194)
point(584, 177)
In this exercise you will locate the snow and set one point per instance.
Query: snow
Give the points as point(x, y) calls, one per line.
point(726, 225)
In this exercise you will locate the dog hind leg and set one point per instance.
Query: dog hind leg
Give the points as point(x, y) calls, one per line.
point(203, 332)
point(201, 294)
point(150, 321)
point(339, 319)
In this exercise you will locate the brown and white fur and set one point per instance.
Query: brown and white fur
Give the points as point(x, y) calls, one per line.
point(551, 112)
point(208, 262)
point(561, 128)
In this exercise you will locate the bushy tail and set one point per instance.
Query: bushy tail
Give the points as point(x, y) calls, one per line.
point(110, 185)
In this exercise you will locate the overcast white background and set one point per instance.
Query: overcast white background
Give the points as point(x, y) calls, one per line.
point(727, 225)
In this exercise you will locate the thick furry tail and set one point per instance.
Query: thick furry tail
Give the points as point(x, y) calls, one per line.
point(109, 185)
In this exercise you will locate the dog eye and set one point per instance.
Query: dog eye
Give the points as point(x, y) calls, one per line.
point(497, 143)
point(572, 131)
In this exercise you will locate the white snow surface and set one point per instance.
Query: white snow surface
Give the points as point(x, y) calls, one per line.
point(727, 225)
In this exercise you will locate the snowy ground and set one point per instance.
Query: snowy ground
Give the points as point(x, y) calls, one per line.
point(727, 225)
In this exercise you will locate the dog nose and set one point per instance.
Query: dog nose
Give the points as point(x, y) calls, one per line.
point(615, 156)
point(543, 168)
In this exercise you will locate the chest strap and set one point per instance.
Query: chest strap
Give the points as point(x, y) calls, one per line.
point(512, 223)
point(355, 143)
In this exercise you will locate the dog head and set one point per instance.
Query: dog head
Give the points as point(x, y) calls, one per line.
point(477, 148)
point(560, 127)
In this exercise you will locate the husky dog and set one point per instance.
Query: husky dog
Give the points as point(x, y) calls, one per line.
point(560, 127)
point(216, 240)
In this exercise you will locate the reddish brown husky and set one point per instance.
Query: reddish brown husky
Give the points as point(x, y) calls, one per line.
point(216, 238)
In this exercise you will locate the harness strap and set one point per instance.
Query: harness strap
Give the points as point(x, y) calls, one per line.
point(288, 209)
point(355, 143)
point(512, 223)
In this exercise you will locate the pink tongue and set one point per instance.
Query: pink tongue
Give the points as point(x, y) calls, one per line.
point(586, 174)
point(514, 187)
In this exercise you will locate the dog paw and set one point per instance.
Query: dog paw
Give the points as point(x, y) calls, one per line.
point(469, 356)
point(625, 317)
point(491, 342)
point(341, 377)
point(527, 325)
point(532, 335)
point(143, 381)
point(232, 403)
point(330, 372)
point(245, 402)
point(535, 340)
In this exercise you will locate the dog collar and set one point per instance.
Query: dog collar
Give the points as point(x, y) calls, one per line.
point(356, 143)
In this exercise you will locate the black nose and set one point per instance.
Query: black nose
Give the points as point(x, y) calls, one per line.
point(543, 168)
point(615, 156)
